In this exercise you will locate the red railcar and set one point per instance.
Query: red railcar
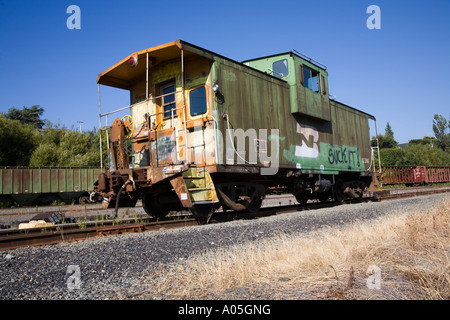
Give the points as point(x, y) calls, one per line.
point(419, 175)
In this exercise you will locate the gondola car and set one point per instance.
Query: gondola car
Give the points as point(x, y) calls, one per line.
point(30, 186)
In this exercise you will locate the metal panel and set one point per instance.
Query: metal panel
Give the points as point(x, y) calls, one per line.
point(437, 174)
point(25, 180)
point(36, 180)
point(54, 185)
point(304, 101)
point(45, 180)
point(255, 101)
point(7, 185)
point(397, 175)
point(411, 175)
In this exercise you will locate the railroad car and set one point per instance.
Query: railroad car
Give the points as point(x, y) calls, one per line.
point(414, 176)
point(204, 131)
point(28, 186)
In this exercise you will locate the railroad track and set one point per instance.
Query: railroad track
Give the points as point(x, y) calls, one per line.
point(15, 238)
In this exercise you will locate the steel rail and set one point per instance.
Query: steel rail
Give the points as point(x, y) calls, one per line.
point(13, 239)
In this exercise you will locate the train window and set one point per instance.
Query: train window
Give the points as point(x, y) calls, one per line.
point(280, 68)
point(168, 101)
point(310, 79)
point(197, 101)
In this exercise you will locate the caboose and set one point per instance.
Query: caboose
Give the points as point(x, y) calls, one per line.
point(203, 131)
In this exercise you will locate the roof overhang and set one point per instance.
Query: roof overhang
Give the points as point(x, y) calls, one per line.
point(122, 74)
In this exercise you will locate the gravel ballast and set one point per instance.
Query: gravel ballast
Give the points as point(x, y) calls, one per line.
point(114, 267)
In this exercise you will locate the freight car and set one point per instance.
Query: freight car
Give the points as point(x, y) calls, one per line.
point(28, 186)
point(414, 175)
point(205, 131)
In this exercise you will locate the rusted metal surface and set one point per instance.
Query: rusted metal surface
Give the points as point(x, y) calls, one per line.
point(13, 239)
point(437, 174)
point(182, 191)
point(192, 107)
point(396, 175)
point(414, 175)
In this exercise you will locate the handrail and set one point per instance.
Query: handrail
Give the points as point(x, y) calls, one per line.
point(140, 102)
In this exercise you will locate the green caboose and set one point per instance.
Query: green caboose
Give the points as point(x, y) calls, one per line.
point(205, 131)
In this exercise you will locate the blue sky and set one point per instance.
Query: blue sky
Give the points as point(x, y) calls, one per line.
point(399, 73)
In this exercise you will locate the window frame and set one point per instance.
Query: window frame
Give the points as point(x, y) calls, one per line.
point(323, 84)
point(317, 76)
point(164, 104)
point(277, 74)
point(206, 101)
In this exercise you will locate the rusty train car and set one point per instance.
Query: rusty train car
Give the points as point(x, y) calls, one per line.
point(414, 175)
point(205, 131)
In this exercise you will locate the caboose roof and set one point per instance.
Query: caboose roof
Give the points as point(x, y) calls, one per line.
point(121, 75)
point(293, 52)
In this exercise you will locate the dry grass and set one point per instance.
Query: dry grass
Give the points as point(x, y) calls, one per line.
point(410, 249)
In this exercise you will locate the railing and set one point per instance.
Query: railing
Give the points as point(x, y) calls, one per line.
point(170, 123)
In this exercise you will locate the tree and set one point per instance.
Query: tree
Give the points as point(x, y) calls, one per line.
point(29, 116)
point(66, 148)
point(386, 140)
point(425, 155)
point(427, 141)
point(392, 156)
point(440, 128)
point(389, 141)
point(17, 142)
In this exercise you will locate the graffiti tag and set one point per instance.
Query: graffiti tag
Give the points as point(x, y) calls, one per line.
point(339, 155)
point(310, 142)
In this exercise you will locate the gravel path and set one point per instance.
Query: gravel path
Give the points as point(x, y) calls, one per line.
point(112, 267)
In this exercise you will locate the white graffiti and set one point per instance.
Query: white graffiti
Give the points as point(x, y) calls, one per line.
point(308, 133)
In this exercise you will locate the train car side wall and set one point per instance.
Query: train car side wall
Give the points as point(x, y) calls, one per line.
point(253, 100)
point(26, 184)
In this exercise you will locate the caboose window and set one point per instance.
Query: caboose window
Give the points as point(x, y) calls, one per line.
point(168, 100)
point(310, 79)
point(197, 101)
point(280, 68)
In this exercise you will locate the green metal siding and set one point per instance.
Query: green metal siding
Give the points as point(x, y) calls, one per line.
point(304, 101)
point(253, 100)
point(47, 180)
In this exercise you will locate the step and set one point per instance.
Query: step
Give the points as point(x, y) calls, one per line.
point(199, 189)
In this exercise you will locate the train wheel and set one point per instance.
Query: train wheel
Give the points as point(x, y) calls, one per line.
point(254, 205)
point(152, 207)
point(323, 197)
point(203, 212)
point(83, 200)
point(301, 199)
